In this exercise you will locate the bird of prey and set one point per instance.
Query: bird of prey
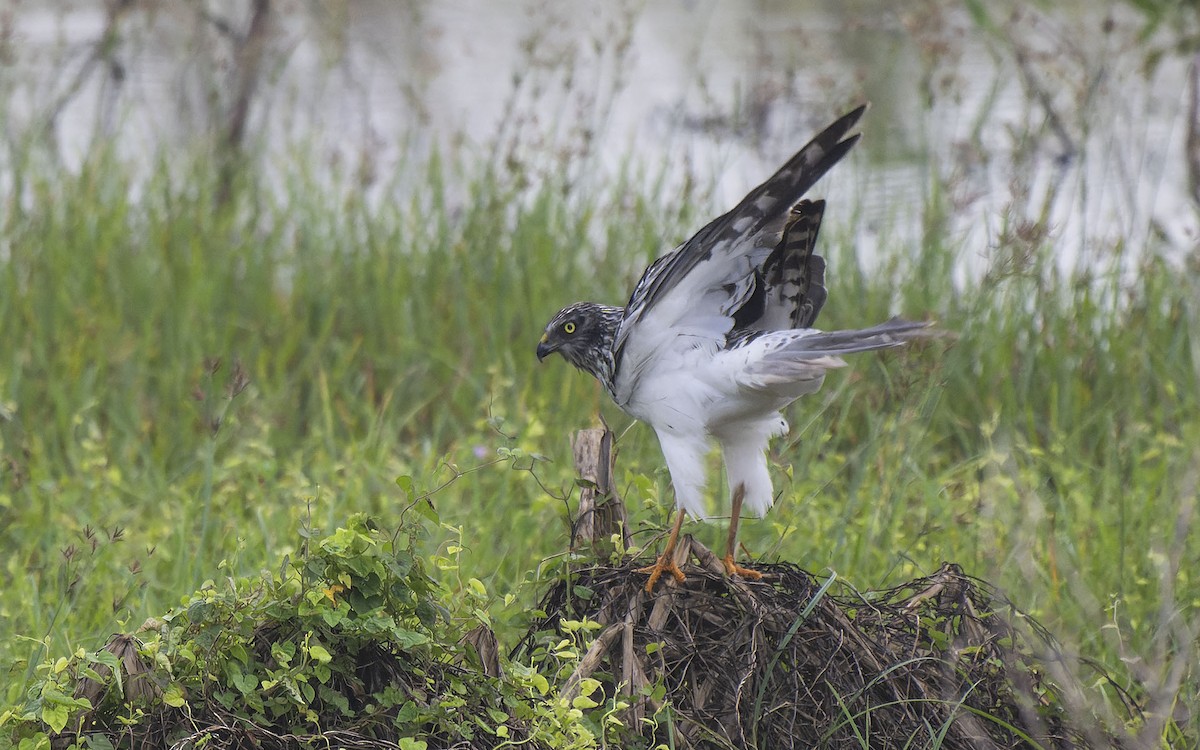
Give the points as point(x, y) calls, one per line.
point(717, 338)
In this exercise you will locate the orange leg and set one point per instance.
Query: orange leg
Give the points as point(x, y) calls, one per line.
point(731, 567)
point(666, 561)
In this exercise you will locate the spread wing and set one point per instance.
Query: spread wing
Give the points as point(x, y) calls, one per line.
point(751, 269)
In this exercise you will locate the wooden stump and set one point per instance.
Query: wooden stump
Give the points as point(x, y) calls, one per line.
point(601, 511)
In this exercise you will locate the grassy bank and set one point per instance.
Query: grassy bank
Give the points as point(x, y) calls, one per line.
point(185, 383)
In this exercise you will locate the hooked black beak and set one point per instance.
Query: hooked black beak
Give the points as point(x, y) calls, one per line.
point(545, 348)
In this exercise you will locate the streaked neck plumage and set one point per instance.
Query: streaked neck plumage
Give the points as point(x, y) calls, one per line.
point(598, 357)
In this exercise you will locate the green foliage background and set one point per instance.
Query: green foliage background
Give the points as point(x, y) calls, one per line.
point(187, 383)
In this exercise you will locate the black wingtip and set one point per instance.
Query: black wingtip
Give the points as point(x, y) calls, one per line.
point(851, 118)
point(835, 133)
point(810, 163)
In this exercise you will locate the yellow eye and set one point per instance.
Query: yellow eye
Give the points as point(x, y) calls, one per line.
point(569, 327)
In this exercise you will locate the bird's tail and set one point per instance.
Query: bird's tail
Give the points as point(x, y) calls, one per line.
point(894, 332)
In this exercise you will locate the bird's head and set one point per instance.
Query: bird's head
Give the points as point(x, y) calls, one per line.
point(583, 334)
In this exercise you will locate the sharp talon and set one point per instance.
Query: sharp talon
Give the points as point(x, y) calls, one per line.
point(733, 569)
point(664, 564)
point(666, 561)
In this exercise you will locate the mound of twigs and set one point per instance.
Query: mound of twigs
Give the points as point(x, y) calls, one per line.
point(791, 662)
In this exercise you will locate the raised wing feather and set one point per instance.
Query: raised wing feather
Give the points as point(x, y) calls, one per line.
point(689, 298)
point(789, 291)
point(794, 275)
